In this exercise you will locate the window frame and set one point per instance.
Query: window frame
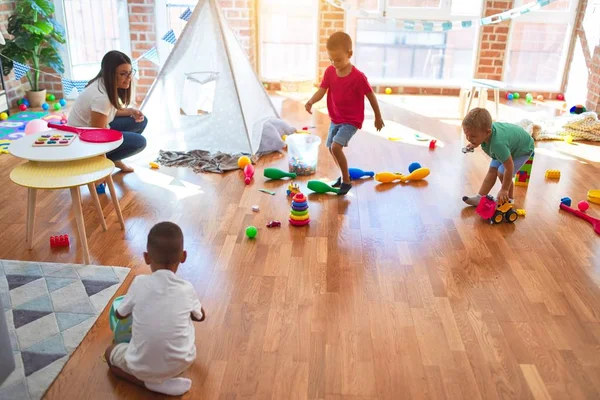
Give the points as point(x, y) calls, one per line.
point(259, 47)
point(124, 32)
point(551, 16)
point(400, 13)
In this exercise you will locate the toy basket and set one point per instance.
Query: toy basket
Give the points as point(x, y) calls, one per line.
point(121, 327)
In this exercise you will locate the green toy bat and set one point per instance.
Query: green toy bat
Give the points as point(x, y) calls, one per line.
point(321, 187)
point(274, 173)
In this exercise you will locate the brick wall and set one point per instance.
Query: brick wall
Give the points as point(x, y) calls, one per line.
point(14, 89)
point(331, 19)
point(593, 97)
point(241, 15)
point(142, 30)
point(493, 42)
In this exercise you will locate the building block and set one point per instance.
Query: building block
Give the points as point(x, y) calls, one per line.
point(521, 212)
point(523, 175)
point(59, 241)
point(566, 201)
point(552, 174)
point(101, 188)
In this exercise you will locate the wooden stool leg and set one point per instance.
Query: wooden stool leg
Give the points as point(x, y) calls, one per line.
point(497, 100)
point(471, 99)
point(31, 197)
point(76, 200)
point(94, 195)
point(115, 200)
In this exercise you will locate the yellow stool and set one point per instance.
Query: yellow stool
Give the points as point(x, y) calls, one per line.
point(67, 175)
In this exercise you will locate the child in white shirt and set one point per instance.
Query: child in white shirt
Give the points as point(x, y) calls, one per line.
point(163, 306)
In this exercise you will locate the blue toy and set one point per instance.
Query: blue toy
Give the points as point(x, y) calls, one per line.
point(566, 201)
point(510, 96)
point(26, 102)
point(413, 166)
point(101, 188)
point(63, 102)
point(45, 106)
point(121, 327)
point(357, 173)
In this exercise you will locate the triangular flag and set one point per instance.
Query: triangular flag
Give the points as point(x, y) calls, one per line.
point(186, 15)
point(152, 55)
point(135, 67)
point(170, 37)
point(20, 70)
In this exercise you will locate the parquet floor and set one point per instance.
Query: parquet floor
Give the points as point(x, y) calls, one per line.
point(393, 292)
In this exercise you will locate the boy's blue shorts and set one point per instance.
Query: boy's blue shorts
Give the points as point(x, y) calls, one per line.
point(518, 161)
point(341, 134)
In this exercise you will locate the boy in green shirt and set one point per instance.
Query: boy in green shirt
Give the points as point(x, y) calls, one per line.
point(509, 146)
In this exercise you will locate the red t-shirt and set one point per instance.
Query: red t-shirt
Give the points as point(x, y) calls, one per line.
point(346, 96)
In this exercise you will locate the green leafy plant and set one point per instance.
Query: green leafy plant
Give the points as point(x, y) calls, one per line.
point(36, 40)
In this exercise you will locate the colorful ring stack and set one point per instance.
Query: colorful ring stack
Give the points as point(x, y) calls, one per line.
point(299, 213)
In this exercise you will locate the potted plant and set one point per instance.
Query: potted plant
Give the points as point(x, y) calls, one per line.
point(35, 41)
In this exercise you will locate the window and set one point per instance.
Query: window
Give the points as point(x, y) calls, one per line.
point(288, 39)
point(390, 54)
point(93, 28)
point(538, 46)
point(167, 18)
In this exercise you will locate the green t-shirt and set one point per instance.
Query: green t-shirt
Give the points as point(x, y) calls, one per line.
point(508, 140)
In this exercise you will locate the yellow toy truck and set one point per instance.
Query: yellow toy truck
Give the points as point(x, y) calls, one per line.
point(495, 213)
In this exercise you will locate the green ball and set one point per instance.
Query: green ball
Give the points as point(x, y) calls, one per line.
point(19, 102)
point(251, 232)
point(51, 97)
point(528, 97)
point(57, 106)
point(516, 95)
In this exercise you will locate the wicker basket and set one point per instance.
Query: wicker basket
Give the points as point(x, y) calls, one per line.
point(297, 85)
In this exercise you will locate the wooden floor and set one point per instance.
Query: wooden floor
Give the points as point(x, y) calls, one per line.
point(393, 292)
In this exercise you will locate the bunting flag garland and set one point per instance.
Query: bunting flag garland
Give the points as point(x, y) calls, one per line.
point(135, 67)
point(151, 55)
point(443, 26)
point(170, 37)
point(20, 70)
point(69, 85)
point(186, 15)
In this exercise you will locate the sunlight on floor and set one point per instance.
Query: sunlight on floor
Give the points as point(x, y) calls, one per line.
point(396, 132)
point(584, 151)
point(180, 188)
point(554, 154)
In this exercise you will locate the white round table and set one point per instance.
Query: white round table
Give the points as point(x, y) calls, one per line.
point(77, 150)
point(70, 161)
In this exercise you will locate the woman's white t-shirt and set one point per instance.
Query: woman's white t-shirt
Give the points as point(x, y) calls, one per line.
point(93, 98)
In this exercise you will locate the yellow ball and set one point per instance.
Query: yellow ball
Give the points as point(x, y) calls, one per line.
point(388, 90)
point(564, 106)
point(3, 116)
point(284, 137)
point(153, 165)
point(243, 161)
point(569, 139)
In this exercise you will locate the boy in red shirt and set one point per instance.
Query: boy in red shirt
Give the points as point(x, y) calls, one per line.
point(345, 102)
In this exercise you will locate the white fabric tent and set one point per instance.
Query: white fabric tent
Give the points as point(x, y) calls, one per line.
point(207, 96)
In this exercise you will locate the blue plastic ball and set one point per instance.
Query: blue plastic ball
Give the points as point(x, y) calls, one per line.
point(63, 102)
point(413, 166)
point(26, 102)
point(45, 106)
point(510, 96)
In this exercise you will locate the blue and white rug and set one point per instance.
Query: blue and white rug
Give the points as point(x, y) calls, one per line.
point(49, 309)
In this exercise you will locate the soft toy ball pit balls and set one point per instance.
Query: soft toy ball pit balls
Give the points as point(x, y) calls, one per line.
point(57, 106)
point(413, 166)
point(63, 102)
point(46, 106)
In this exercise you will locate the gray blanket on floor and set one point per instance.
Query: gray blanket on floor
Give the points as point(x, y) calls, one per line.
point(202, 160)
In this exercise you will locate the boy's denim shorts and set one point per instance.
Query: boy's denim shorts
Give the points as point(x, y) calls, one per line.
point(341, 134)
point(518, 161)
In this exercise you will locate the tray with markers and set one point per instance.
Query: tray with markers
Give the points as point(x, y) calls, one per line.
point(57, 139)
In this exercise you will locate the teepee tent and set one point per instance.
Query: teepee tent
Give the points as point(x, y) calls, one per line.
point(207, 96)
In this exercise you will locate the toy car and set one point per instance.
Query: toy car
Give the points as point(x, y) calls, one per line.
point(495, 213)
point(272, 224)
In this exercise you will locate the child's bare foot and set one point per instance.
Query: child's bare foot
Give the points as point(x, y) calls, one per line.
point(472, 200)
point(123, 167)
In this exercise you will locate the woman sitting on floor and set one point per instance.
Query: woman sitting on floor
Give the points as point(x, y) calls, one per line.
point(104, 103)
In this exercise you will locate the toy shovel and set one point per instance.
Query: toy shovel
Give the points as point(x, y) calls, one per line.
point(594, 221)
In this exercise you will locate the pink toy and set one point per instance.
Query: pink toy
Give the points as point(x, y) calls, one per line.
point(59, 241)
point(486, 207)
point(23, 107)
point(594, 221)
point(36, 126)
point(248, 173)
point(99, 135)
point(583, 205)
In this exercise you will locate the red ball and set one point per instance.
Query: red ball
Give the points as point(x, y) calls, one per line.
point(583, 205)
point(22, 107)
point(560, 97)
